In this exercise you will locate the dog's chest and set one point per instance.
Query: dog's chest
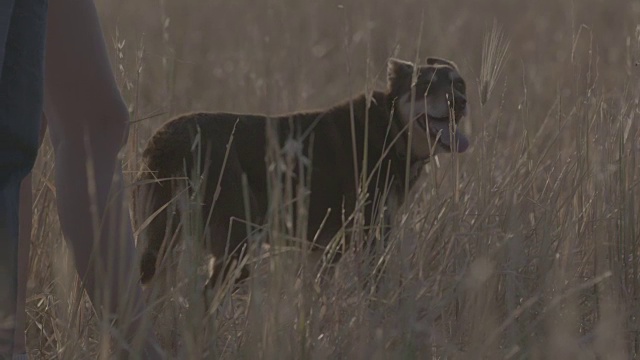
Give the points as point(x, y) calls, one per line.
point(396, 194)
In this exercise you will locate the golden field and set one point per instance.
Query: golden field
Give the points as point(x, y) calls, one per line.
point(524, 247)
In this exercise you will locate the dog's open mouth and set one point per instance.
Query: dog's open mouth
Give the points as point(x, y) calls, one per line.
point(439, 127)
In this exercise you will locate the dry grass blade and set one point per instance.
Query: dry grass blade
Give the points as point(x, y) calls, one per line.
point(495, 48)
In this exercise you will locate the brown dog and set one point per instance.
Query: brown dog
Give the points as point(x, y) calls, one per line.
point(355, 147)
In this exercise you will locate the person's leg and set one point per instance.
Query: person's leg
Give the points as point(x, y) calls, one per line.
point(24, 244)
point(19, 341)
point(88, 123)
point(22, 27)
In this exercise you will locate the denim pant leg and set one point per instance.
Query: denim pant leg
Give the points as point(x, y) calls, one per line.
point(22, 38)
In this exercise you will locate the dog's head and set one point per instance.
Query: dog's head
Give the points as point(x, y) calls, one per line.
point(432, 103)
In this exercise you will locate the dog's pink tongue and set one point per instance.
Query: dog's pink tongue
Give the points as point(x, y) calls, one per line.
point(445, 135)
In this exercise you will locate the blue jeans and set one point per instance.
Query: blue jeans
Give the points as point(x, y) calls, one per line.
point(22, 39)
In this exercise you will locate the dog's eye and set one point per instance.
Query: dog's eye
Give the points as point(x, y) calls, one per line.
point(459, 85)
point(422, 89)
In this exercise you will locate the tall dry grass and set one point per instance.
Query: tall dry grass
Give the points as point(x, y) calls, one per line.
point(525, 247)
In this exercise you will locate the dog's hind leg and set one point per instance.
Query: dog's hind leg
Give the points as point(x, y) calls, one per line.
point(226, 210)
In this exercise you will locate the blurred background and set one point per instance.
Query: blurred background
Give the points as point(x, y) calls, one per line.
point(276, 56)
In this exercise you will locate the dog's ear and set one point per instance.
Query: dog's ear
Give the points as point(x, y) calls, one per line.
point(440, 61)
point(399, 74)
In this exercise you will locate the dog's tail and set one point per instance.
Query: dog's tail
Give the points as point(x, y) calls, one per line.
point(152, 209)
point(154, 206)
